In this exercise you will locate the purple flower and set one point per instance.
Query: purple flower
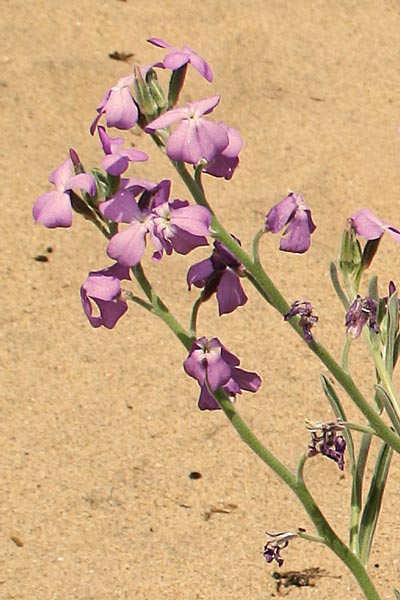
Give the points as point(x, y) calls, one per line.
point(104, 288)
point(368, 225)
point(225, 163)
point(172, 225)
point(307, 318)
point(293, 212)
point(221, 274)
point(361, 311)
point(54, 209)
point(180, 226)
point(214, 366)
point(177, 58)
point(325, 441)
point(117, 159)
point(276, 543)
point(118, 106)
point(195, 137)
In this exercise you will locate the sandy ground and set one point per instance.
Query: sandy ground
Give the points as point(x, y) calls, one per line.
point(99, 430)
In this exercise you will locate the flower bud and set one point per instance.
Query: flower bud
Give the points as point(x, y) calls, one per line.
point(156, 90)
point(350, 257)
point(147, 105)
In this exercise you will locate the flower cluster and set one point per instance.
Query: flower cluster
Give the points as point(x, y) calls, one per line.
point(133, 212)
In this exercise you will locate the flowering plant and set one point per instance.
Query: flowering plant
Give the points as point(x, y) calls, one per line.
point(130, 212)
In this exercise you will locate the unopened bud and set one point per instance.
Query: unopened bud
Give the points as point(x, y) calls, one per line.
point(350, 258)
point(143, 97)
point(156, 90)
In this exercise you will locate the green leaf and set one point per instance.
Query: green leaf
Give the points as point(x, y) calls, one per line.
point(392, 326)
point(396, 594)
point(384, 399)
point(373, 502)
point(336, 284)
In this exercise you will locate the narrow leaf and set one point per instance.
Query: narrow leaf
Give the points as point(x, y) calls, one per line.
point(385, 400)
point(373, 502)
point(336, 284)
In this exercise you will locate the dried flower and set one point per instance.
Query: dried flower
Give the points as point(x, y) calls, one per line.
point(325, 441)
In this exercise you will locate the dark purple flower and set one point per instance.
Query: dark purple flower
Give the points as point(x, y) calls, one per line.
point(221, 274)
point(53, 209)
point(195, 137)
point(276, 543)
point(117, 159)
point(361, 311)
point(214, 366)
point(325, 441)
point(118, 106)
point(293, 213)
point(307, 320)
point(368, 225)
point(104, 288)
point(225, 163)
point(176, 58)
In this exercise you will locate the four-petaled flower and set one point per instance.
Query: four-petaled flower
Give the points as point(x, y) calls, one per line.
point(293, 213)
point(325, 441)
point(118, 105)
point(307, 320)
point(176, 58)
point(117, 159)
point(195, 137)
point(104, 288)
point(53, 209)
point(276, 543)
point(221, 274)
point(368, 225)
point(172, 225)
point(214, 366)
point(361, 311)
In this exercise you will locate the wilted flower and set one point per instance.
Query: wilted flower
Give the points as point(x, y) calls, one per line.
point(325, 441)
point(176, 58)
point(368, 225)
point(117, 159)
point(307, 320)
point(214, 366)
point(276, 543)
point(293, 212)
point(104, 288)
point(361, 311)
point(195, 137)
point(53, 209)
point(221, 274)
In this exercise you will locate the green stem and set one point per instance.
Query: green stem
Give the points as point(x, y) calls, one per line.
point(160, 309)
point(297, 485)
point(265, 286)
